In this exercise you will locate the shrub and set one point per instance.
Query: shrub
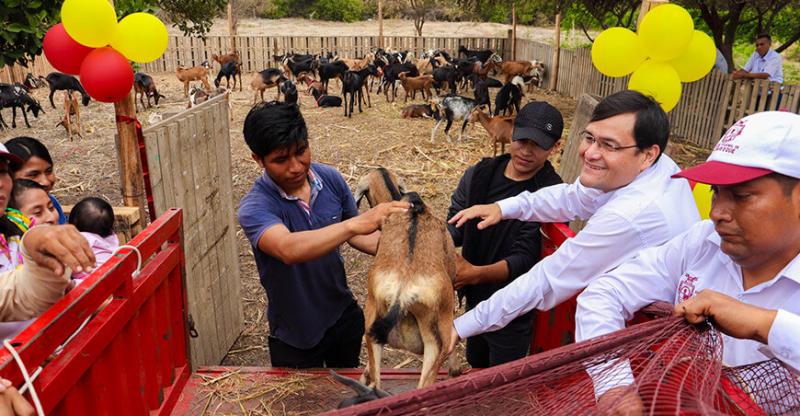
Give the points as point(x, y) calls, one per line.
point(338, 10)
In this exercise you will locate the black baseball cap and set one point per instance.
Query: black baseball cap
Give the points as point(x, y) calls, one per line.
point(540, 122)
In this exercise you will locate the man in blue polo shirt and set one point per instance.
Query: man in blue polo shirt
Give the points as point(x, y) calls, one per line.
point(296, 216)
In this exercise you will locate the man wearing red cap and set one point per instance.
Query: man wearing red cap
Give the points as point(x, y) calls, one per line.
point(741, 268)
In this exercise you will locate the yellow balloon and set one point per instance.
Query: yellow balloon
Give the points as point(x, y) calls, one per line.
point(90, 22)
point(617, 52)
point(666, 31)
point(141, 37)
point(658, 80)
point(698, 59)
point(702, 197)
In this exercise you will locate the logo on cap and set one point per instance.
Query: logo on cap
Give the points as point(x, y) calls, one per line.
point(548, 126)
point(733, 132)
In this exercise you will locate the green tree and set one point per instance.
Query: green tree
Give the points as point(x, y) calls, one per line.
point(23, 23)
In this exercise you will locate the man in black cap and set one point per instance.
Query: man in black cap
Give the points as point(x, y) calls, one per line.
point(493, 257)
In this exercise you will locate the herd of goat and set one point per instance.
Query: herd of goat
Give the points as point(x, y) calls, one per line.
point(434, 70)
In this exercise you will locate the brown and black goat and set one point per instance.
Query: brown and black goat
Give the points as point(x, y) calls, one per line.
point(71, 108)
point(410, 298)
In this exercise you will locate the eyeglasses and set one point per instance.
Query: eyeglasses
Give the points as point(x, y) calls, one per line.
point(602, 144)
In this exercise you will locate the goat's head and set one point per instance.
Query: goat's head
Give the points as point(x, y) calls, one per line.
point(495, 58)
point(434, 105)
point(379, 185)
point(34, 107)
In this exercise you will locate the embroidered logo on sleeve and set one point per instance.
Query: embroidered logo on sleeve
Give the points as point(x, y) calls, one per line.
point(686, 287)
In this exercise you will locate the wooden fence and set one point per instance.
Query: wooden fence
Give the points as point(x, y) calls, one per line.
point(707, 107)
point(189, 159)
point(257, 52)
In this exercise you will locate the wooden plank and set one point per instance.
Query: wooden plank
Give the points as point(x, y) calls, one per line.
point(154, 168)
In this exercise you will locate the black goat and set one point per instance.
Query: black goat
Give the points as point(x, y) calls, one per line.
point(331, 70)
point(445, 74)
point(58, 81)
point(370, 71)
point(289, 91)
point(15, 96)
point(229, 69)
point(351, 84)
point(144, 86)
point(481, 92)
point(481, 55)
point(324, 100)
point(301, 63)
point(510, 94)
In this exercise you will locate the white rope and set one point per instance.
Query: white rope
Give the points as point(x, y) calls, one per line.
point(138, 258)
point(28, 382)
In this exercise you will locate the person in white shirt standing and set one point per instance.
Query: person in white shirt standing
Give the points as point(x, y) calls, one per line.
point(741, 268)
point(625, 192)
point(764, 63)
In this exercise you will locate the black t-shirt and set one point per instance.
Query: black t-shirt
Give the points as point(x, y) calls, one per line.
point(517, 242)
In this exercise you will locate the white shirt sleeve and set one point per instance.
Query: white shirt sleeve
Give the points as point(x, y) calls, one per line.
point(556, 278)
point(613, 298)
point(751, 63)
point(556, 203)
point(784, 338)
point(774, 67)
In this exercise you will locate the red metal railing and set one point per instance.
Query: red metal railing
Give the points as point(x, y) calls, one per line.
point(132, 356)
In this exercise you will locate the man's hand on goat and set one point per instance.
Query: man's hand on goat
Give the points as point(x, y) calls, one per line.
point(731, 316)
point(620, 401)
point(11, 402)
point(465, 273)
point(59, 246)
point(490, 214)
point(454, 338)
point(372, 219)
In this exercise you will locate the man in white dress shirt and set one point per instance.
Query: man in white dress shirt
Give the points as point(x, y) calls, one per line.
point(741, 268)
point(764, 63)
point(625, 192)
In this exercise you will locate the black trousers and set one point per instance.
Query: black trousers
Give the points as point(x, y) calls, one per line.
point(501, 346)
point(339, 347)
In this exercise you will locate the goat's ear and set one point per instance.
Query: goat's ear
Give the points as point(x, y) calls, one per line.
point(361, 189)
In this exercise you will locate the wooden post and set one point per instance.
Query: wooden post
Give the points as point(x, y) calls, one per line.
point(556, 52)
point(231, 27)
point(514, 31)
point(130, 164)
point(380, 24)
point(648, 5)
point(131, 178)
point(507, 48)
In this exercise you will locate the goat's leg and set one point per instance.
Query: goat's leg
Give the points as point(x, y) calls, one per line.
point(432, 345)
point(78, 120)
point(185, 89)
point(14, 116)
point(435, 126)
point(463, 127)
point(25, 117)
point(372, 372)
point(360, 99)
point(52, 91)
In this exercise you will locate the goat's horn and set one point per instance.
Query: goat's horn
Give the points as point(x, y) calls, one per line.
point(353, 384)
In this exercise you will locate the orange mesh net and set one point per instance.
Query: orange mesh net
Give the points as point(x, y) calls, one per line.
point(675, 368)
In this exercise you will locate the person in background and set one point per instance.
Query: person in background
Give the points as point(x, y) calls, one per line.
point(721, 64)
point(37, 165)
point(94, 218)
point(764, 63)
point(31, 200)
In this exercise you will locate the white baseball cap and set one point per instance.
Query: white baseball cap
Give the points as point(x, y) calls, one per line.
point(754, 146)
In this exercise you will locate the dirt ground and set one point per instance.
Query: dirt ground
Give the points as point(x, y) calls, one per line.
point(377, 137)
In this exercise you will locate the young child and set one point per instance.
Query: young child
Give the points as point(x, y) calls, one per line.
point(94, 218)
point(31, 199)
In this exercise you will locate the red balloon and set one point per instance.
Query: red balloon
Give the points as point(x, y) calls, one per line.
point(63, 52)
point(106, 75)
